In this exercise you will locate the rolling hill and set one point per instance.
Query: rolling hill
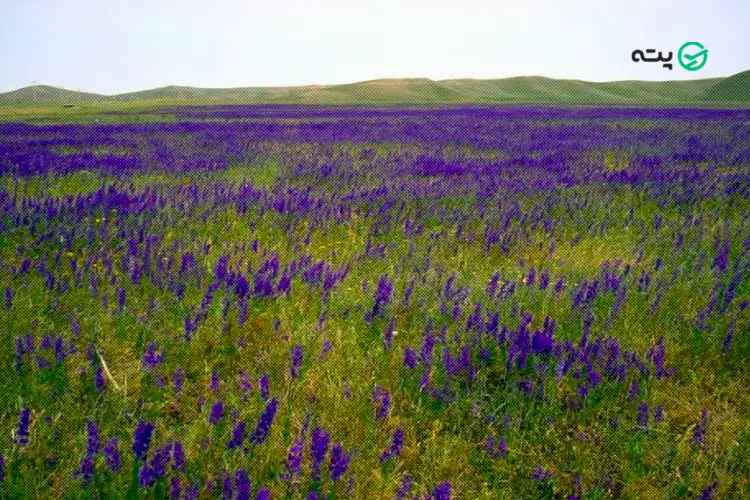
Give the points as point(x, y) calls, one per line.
point(735, 88)
point(529, 89)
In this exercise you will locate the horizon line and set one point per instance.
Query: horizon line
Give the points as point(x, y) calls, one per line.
point(382, 79)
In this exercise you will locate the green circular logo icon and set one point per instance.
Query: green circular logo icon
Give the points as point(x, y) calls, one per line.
point(692, 56)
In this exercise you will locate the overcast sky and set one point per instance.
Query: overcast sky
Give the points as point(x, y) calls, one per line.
point(117, 46)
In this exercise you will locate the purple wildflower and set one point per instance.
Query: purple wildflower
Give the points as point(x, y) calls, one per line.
point(142, 439)
point(92, 446)
point(24, 421)
point(383, 295)
point(318, 449)
point(86, 470)
point(541, 474)
point(178, 457)
point(442, 491)
point(245, 385)
point(121, 298)
point(8, 298)
point(404, 489)
point(157, 466)
point(633, 391)
point(175, 488)
point(215, 382)
point(264, 494)
point(260, 434)
point(238, 436)
point(388, 336)
point(217, 413)
point(227, 487)
point(264, 384)
point(659, 414)
point(179, 379)
point(112, 455)
point(152, 358)
point(382, 399)
point(2, 468)
point(699, 431)
point(397, 444)
point(410, 358)
point(243, 484)
point(295, 458)
point(729, 338)
point(60, 353)
point(99, 381)
point(340, 460)
point(642, 417)
point(497, 448)
point(708, 492)
point(295, 364)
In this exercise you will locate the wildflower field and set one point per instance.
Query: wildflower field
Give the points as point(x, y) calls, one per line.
point(380, 303)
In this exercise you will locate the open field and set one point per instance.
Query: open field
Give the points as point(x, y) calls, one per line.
point(285, 301)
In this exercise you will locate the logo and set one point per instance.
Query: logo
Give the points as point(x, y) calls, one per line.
point(692, 56)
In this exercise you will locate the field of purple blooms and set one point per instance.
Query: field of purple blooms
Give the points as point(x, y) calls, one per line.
point(401, 303)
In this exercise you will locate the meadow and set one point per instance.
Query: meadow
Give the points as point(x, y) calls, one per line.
point(466, 302)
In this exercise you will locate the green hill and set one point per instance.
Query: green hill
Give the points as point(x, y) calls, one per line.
point(47, 94)
point(734, 89)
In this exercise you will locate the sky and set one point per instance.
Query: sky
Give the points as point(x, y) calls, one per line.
point(109, 47)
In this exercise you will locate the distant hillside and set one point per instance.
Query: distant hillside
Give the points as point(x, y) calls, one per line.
point(734, 89)
point(46, 94)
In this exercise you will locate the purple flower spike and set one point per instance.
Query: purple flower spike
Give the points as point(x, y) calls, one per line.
point(541, 474)
point(178, 457)
point(22, 434)
point(142, 439)
point(238, 436)
point(497, 448)
point(296, 361)
point(708, 492)
point(318, 450)
point(217, 413)
point(389, 332)
point(175, 488)
point(410, 358)
point(339, 462)
point(260, 434)
point(179, 380)
point(405, 488)
point(264, 384)
point(112, 455)
point(642, 417)
point(294, 459)
point(86, 471)
point(152, 358)
point(99, 381)
point(382, 399)
point(699, 431)
point(92, 447)
point(215, 382)
point(397, 444)
point(659, 414)
point(243, 484)
point(442, 491)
